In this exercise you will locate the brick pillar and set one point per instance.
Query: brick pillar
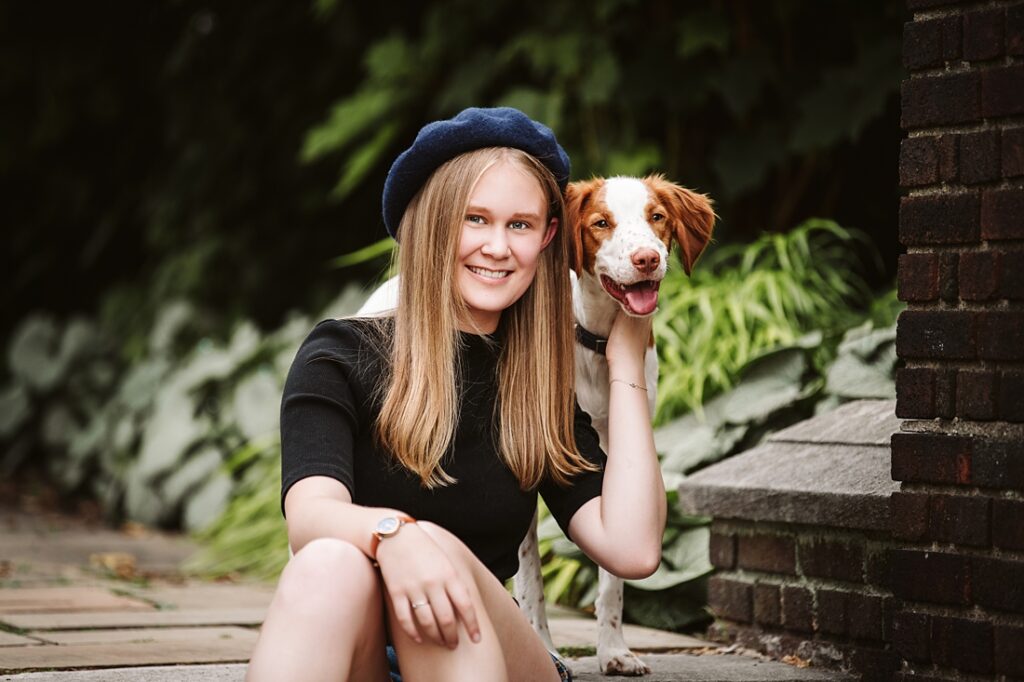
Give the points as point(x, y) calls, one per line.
point(958, 576)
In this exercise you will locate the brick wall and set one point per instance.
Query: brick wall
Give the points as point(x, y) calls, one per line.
point(817, 593)
point(957, 572)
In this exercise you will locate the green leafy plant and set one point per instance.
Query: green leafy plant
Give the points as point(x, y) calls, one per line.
point(744, 300)
point(147, 435)
point(249, 537)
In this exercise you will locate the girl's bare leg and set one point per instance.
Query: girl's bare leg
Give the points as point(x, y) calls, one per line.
point(509, 649)
point(326, 621)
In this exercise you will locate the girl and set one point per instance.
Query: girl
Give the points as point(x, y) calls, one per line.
point(414, 445)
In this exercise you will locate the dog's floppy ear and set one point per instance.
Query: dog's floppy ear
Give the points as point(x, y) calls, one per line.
point(577, 197)
point(694, 218)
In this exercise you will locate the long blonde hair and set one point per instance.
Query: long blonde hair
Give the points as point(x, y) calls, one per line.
point(536, 369)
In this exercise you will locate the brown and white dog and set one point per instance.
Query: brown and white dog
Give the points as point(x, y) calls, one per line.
point(623, 231)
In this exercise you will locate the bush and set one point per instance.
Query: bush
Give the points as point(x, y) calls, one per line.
point(147, 434)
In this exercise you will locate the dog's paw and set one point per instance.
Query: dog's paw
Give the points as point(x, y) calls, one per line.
point(623, 662)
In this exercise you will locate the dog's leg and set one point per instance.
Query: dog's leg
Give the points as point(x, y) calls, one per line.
point(529, 587)
point(613, 655)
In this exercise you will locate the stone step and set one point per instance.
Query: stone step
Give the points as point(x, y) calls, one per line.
point(807, 474)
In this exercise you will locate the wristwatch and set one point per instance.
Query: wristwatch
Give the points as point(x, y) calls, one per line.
point(386, 528)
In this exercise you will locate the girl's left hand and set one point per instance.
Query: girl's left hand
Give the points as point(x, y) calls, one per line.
point(627, 343)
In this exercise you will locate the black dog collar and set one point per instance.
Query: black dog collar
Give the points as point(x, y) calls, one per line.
point(589, 339)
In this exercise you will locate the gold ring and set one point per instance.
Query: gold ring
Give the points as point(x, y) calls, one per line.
point(419, 604)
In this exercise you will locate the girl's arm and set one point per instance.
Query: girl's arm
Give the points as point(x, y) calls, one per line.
point(623, 527)
point(321, 507)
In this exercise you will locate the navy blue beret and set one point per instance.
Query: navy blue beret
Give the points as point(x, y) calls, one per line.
point(474, 128)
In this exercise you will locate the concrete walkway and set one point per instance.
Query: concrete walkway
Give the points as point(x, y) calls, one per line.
point(83, 603)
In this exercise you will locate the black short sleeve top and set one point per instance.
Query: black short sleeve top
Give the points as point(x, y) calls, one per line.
point(330, 405)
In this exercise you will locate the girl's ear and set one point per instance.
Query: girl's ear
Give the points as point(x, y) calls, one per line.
point(550, 234)
point(577, 196)
point(692, 216)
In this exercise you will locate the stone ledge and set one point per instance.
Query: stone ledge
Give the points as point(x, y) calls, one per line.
point(831, 470)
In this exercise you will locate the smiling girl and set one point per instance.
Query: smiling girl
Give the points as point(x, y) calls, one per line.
point(414, 445)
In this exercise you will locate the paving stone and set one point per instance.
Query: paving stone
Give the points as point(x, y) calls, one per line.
point(58, 540)
point(170, 618)
point(141, 635)
point(714, 668)
point(197, 649)
point(11, 639)
point(579, 632)
point(175, 673)
point(40, 574)
point(198, 595)
point(66, 599)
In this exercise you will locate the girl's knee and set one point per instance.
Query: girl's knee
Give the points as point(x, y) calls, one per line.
point(327, 572)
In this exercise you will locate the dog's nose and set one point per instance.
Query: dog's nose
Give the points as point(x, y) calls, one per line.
point(646, 260)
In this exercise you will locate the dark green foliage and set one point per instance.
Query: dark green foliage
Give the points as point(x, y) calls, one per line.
point(226, 152)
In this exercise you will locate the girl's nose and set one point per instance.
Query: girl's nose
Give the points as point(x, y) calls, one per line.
point(496, 246)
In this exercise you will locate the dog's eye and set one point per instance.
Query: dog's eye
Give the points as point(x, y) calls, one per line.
point(657, 218)
point(601, 223)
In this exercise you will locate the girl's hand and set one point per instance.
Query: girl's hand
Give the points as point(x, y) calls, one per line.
point(416, 571)
point(627, 343)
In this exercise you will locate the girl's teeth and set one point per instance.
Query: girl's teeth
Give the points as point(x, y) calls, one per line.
point(491, 274)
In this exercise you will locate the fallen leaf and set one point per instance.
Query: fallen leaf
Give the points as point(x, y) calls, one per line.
point(120, 564)
point(796, 661)
point(135, 530)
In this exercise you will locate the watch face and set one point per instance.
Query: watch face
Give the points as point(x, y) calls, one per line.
point(388, 525)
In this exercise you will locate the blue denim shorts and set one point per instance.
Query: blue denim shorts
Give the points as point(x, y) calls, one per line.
point(396, 676)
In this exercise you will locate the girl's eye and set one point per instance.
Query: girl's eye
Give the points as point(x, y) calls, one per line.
point(657, 217)
point(601, 223)
point(474, 219)
point(519, 225)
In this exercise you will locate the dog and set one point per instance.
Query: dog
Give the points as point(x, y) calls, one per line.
point(623, 229)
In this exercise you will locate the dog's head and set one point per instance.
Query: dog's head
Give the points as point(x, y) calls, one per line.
point(623, 229)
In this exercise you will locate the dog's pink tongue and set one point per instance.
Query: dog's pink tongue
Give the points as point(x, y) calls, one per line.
point(642, 299)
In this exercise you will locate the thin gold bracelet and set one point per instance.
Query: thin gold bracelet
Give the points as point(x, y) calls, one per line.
point(628, 383)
